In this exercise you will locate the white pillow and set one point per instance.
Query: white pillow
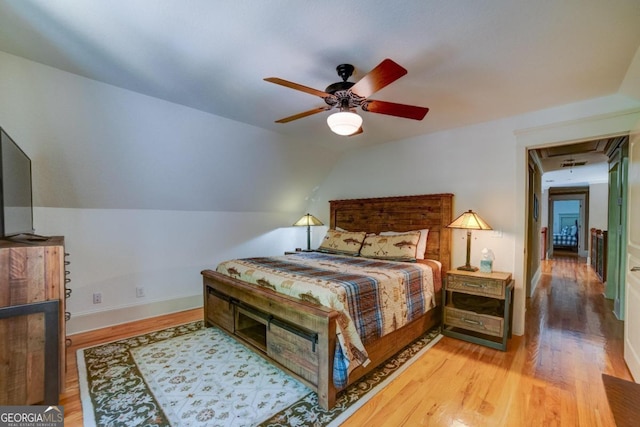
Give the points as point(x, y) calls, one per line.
point(422, 243)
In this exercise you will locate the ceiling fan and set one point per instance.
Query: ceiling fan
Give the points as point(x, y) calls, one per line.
point(347, 96)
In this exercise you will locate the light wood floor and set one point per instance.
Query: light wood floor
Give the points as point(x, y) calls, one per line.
point(550, 376)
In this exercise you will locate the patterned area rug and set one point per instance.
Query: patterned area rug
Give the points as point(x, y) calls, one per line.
point(194, 376)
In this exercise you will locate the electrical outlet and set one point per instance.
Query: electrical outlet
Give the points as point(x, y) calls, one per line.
point(97, 298)
point(139, 292)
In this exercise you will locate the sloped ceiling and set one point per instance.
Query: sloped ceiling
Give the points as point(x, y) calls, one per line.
point(468, 61)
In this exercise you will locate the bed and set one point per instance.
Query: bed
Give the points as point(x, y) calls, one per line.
point(300, 334)
point(567, 239)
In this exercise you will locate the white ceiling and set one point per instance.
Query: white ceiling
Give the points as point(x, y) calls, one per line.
point(468, 61)
point(595, 173)
point(577, 164)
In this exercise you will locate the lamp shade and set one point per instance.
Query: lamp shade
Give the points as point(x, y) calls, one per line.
point(307, 220)
point(344, 122)
point(470, 221)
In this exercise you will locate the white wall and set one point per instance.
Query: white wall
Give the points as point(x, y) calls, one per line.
point(598, 201)
point(98, 146)
point(113, 251)
point(475, 163)
point(149, 193)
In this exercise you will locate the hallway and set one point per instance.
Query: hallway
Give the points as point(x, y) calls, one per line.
point(570, 326)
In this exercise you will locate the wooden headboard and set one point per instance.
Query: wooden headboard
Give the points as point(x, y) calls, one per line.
point(402, 213)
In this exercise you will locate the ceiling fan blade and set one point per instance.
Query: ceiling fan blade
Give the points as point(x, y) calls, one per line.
point(297, 86)
point(393, 109)
point(303, 114)
point(385, 73)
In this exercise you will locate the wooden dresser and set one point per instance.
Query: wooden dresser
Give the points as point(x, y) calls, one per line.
point(32, 280)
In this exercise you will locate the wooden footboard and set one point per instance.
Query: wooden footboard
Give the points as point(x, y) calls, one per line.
point(296, 335)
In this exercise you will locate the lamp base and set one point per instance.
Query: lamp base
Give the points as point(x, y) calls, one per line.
point(468, 268)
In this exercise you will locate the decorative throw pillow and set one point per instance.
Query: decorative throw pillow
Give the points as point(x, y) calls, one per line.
point(397, 247)
point(422, 243)
point(342, 242)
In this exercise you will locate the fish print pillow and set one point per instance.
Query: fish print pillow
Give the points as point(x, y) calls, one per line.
point(397, 247)
point(342, 242)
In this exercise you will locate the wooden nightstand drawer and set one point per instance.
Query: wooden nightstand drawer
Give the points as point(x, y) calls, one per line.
point(483, 323)
point(476, 286)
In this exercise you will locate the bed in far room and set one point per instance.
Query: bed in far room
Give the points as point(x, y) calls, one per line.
point(567, 239)
point(329, 317)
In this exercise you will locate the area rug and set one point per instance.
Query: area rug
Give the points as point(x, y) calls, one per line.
point(189, 375)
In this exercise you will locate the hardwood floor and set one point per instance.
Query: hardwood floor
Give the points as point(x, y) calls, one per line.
point(549, 376)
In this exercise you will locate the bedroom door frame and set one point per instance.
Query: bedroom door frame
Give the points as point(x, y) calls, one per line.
point(581, 194)
point(632, 268)
point(582, 127)
point(617, 228)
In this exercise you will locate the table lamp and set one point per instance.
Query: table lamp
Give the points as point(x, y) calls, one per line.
point(469, 221)
point(308, 220)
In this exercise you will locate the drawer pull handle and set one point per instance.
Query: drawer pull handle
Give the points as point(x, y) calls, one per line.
point(472, 321)
point(472, 285)
point(251, 310)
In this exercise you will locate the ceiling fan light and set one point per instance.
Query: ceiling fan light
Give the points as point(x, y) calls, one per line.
point(344, 122)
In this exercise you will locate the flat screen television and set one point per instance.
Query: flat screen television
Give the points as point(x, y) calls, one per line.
point(16, 202)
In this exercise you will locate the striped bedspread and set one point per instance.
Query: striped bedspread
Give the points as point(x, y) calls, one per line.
point(373, 297)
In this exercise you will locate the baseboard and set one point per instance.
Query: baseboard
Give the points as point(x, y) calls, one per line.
point(102, 319)
point(535, 280)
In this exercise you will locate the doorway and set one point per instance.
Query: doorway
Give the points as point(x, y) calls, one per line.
point(567, 219)
point(588, 128)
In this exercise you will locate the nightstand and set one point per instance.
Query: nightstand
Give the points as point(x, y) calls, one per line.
point(477, 307)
